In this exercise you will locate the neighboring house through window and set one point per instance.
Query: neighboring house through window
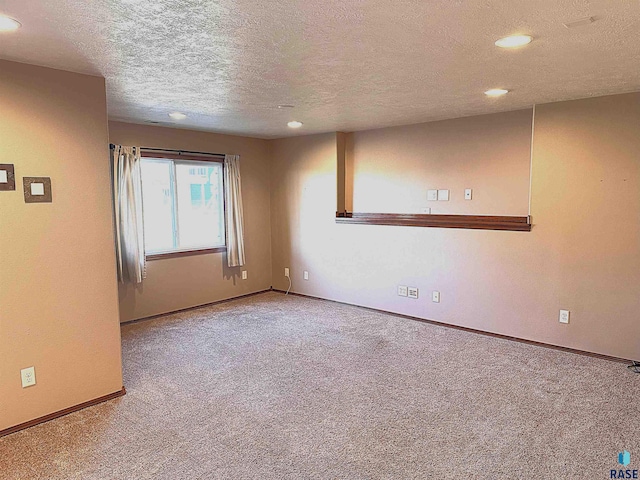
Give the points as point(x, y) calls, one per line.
point(183, 203)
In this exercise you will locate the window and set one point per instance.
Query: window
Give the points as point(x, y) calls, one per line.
point(183, 205)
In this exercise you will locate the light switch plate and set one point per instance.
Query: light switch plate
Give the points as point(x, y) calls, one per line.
point(467, 193)
point(402, 290)
point(432, 195)
point(412, 292)
point(435, 296)
point(443, 195)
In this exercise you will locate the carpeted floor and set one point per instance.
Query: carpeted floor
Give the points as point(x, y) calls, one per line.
point(284, 387)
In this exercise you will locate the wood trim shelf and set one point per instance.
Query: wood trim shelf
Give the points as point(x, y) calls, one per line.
point(478, 222)
point(61, 413)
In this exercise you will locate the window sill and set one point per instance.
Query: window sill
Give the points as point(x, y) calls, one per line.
point(480, 222)
point(185, 253)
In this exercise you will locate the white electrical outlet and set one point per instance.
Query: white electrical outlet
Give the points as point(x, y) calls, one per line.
point(432, 195)
point(402, 290)
point(244, 274)
point(435, 296)
point(412, 292)
point(443, 195)
point(286, 272)
point(564, 316)
point(305, 275)
point(28, 376)
point(467, 193)
point(425, 210)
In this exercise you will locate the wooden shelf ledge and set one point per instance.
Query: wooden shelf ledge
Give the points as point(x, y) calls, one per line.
point(478, 222)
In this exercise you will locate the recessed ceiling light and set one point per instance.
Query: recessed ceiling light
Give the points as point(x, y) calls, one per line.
point(514, 41)
point(294, 124)
point(177, 116)
point(285, 106)
point(8, 24)
point(496, 92)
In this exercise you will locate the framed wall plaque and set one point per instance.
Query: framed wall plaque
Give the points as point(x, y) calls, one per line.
point(7, 177)
point(37, 189)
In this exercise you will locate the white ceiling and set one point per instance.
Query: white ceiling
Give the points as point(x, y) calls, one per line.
point(346, 65)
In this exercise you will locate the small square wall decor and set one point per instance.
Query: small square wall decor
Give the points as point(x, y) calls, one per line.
point(7, 177)
point(37, 189)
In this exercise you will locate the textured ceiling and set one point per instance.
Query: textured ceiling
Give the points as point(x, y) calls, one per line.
point(345, 65)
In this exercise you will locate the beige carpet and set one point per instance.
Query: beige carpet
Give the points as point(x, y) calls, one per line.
point(283, 387)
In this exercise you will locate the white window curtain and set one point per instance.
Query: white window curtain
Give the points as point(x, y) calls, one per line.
point(233, 211)
point(127, 197)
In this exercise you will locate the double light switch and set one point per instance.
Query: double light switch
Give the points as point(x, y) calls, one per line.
point(439, 195)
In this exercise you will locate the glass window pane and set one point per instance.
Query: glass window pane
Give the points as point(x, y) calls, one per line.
point(200, 202)
point(157, 198)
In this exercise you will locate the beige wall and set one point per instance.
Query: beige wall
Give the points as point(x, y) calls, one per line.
point(582, 254)
point(178, 283)
point(58, 294)
point(394, 167)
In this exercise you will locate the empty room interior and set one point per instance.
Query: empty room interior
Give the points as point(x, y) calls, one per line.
point(334, 239)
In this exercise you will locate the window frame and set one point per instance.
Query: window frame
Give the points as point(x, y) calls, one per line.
point(179, 157)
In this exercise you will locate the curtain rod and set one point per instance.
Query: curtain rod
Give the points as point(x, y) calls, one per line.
point(179, 152)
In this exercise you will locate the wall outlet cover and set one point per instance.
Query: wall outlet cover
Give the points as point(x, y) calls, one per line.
point(426, 210)
point(468, 193)
point(402, 290)
point(432, 195)
point(435, 296)
point(244, 274)
point(412, 292)
point(305, 275)
point(28, 376)
point(443, 195)
point(564, 316)
point(286, 272)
